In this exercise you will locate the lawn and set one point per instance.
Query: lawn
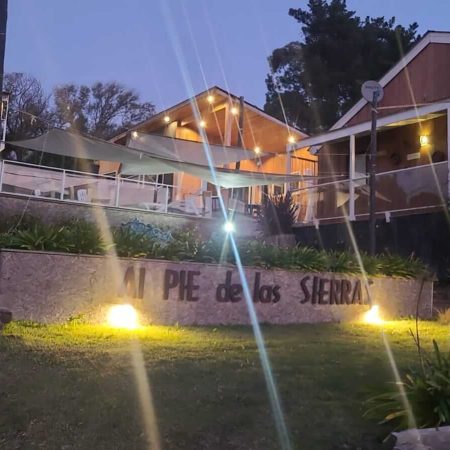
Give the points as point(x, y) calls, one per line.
point(76, 386)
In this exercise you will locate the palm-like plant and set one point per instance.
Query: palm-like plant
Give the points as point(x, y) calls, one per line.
point(278, 214)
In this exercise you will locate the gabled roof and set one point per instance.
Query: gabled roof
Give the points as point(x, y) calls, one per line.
point(202, 98)
point(436, 37)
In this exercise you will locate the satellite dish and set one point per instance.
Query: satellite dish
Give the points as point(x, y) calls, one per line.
point(371, 89)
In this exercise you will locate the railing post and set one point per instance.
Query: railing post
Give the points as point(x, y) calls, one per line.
point(166, 199)
point(63, 182)
point(2, 166)
point(351, 171)
point(116, 201)
point(288, 169)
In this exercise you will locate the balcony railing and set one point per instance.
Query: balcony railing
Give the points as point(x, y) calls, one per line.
point(73, 186)
point(411, 190)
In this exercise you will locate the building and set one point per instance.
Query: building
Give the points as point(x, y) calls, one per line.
point(174, 163)
point(412, 181)
point(226, 120)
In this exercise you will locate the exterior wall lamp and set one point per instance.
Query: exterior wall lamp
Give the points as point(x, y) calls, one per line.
point(424, 140)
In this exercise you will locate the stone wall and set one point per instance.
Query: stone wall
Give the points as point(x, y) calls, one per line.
point(50, 211)
point(52, 287)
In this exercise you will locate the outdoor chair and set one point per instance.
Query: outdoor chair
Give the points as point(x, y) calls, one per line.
point(82, 195)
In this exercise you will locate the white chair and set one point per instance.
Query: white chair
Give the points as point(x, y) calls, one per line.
point(162, 198)
point(82, 195)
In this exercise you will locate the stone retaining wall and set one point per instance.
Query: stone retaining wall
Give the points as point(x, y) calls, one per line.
point(52, 287)
point(51, 211)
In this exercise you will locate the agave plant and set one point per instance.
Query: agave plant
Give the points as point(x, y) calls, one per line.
point(278, 214)
point(41, 237)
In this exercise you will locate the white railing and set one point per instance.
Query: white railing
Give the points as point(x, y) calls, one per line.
point(73, 186)
point(413, 189)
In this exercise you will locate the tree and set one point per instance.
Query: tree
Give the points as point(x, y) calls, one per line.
point(315, 81)
point(29, 106)
point(102, 110)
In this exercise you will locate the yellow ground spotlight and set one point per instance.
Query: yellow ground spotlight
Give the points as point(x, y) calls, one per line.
point(123, 316)
point(373, 316)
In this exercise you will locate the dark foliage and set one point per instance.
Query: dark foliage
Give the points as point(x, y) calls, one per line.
point(319, 78)
point(428, 394)
point(79, 236)
point(278, 214)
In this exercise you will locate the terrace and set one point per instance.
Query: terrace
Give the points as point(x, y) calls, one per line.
point(412, 169)
point(36, 181)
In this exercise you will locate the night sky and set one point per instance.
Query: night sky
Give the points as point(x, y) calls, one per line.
point(169, 49)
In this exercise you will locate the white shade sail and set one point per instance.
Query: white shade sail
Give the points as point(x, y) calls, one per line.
point(189, 151)
point(147, 162)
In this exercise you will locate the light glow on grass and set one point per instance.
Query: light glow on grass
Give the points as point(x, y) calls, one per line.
point(373, 316)
point(123, 316)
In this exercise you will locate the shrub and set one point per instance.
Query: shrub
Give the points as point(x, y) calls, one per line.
point(371, 264)
point(427, 391)
point(343, 262)
point(84, 237)
point(307, 259)
point(396, 266)
point(278, 214)
point(130, 244)
point(80, 236)
point(188, 245)
point(40, 237)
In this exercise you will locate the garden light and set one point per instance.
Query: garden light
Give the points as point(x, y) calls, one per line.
point(373, 316)
point(229, 227)
point(123, 316)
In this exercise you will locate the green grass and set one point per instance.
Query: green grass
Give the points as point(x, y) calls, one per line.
point(74, 387)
